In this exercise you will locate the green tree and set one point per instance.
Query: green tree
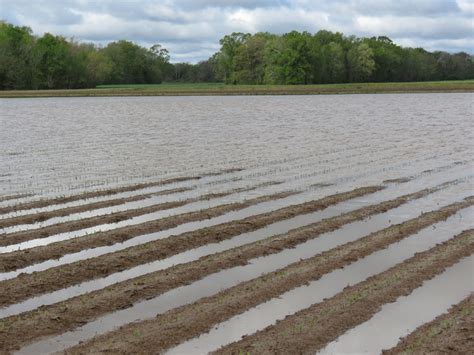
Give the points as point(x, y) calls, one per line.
point(360, 62)
point(17, 59)
point(249, 65)
point(54, 61)
point(229, 45)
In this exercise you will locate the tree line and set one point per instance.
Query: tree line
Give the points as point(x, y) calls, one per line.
point(54, 62)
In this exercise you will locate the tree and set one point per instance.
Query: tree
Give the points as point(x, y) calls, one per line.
point(229, 45)
point(17, 60)
point(54, 61)
point(360, 62)
point(249, 58)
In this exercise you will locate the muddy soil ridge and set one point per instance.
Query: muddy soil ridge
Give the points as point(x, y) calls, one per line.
point(303, 332)
point(109, 191)
point(311, 329)
point(28, 285)
point(20, 259)
point(22, 328)
point(44, 232)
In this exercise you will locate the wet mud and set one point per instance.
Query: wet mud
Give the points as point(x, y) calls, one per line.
point(309, 330)
point(73, 312)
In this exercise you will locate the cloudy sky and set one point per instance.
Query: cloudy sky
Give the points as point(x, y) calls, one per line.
point(190, 29)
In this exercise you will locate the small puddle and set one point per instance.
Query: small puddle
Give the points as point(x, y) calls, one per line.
point(398, 319)
point(327, 286)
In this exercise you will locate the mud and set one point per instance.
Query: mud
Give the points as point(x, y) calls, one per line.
point(92, 194)
point(309, 330)
point(69, 314)
point(14, 197)
point(70, 274)
point(18, 237)
point(396, 181)
point(173, 327)
point(452, 332)
point(43, 216)
point(22, 258)
point(106, 192)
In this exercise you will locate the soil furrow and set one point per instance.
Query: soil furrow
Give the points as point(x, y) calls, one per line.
point(43, 216)
point(188, 321)
point(14, 197)
point(86, 195)
point(311, 329)
point(66, 315)
point(18, 237)
point(28, 285)
point(22, 258)
point(106, 192)
point(452, 332)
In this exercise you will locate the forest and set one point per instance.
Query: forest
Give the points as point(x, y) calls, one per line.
point(55, 62)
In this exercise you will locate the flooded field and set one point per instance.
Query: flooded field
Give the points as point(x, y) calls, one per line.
point(279, 224)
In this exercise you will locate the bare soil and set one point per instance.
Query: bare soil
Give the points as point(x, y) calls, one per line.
point(54, 319)
point(450, 333)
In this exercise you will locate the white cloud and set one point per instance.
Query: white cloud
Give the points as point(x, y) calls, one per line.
point(191, 29)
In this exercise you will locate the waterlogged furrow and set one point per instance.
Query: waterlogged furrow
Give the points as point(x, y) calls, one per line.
point(122, 207)
point(119, 296)
point(395, 320)
point(92, 194)
point(55, 251)
point(306, 324)
point(117, 219)
point(39, 218)
point(252, 172)
point(95, 267)
point(248, 175)
point(105, 200)
point(448, 333)
point(279, 171)
point(21, 258)
point(151, 201)
point(190, 320)
point(14, 197)
point(15, 258)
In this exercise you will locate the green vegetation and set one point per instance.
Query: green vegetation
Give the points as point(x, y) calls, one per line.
point(177, 89)
point(28, 62)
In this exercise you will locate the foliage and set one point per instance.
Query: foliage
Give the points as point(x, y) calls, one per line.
point(53, 62)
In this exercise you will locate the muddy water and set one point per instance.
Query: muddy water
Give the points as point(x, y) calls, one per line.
point(325, 242)
point(292, 184)
point(390, 192)
point(396, 320)
point(268, 312)
point(302, 297)
point(138, 138)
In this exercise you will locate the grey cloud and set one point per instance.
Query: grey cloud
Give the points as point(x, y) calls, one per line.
point(191, 29)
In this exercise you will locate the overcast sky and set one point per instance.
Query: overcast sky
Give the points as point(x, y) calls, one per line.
point(191, 29)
